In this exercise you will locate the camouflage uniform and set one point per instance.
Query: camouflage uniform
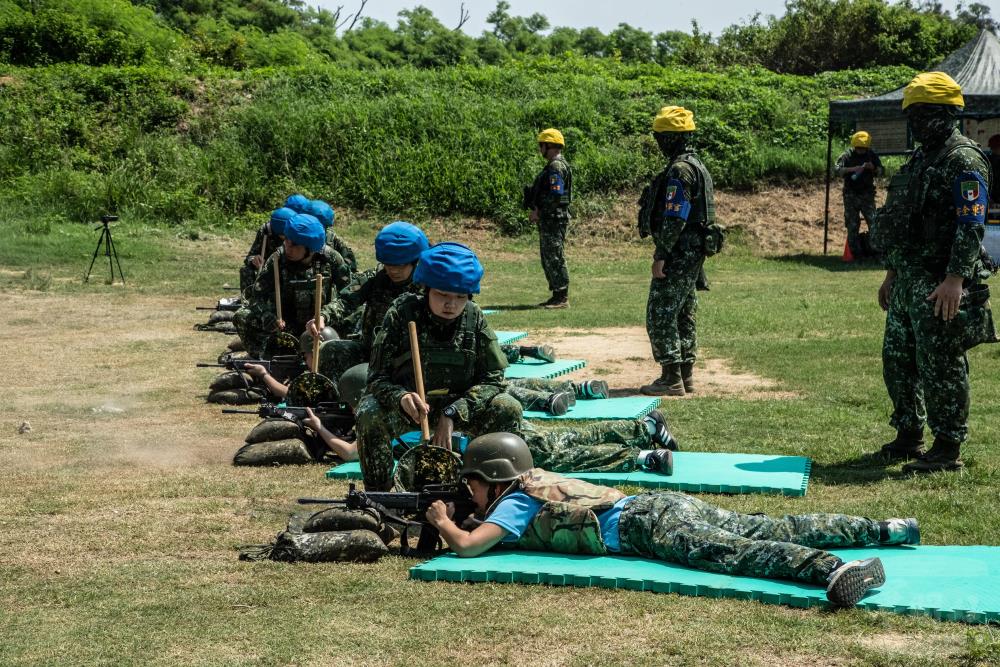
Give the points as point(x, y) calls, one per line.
point(600, 446)
point(681, 529)
point(675, 209)
point(551, 194)
point(927, 232)
point(342, 248)
point(256, 322)
point(859, 194)
point(375, 296)
point(264, 241)
point(463, 368)
point(534, 393)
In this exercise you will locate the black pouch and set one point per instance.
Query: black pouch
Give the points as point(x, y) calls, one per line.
point(977, 318)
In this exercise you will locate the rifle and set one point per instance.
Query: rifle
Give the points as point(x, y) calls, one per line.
point(340, 413)
point(391, 505)
point(281, 366)
point(226, 303)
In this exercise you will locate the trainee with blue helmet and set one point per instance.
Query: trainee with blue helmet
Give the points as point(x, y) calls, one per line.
point(268, 239)
point(326, 215)
point(298, 203)
point(397, 248)
point(463, 366)
point(297, 261)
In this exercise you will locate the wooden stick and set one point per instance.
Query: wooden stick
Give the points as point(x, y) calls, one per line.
point(318, 320)
point(418, 375)
point(263, 255)
point(277, 287)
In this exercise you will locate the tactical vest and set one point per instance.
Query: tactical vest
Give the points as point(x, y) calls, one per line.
point(535, 194)
point(298, 289)
point(449, 366)
point(652, 204)
point(383, 292)
point(903, 219)
point(567, 522)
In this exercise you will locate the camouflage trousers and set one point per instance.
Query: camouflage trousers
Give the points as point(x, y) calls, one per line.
point(671, 313)
point(534, 393)
point(924, 365)
point(857, 204)
point(681, 529)
point(551, 246)
point(604, 446)
point(378, 426)
point(336, 356)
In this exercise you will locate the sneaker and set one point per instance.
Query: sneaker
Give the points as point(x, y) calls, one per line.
point(558, 403)
point(851, 581)
point(661, 431)
point(661, 461)
point(899, 531)
point(589, 389)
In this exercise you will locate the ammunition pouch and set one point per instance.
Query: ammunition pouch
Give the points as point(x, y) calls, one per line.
point(713, 239)
point(976, 317)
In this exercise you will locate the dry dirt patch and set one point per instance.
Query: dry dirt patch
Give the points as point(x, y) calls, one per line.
point(622, 357)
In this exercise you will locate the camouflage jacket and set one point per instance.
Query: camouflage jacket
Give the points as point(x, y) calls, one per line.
point(264, 235)
point(567, 521)
point(551, 192)
point(677, 206)
point(934, 215)
point(297, 289)
point(865, 181)
point(375, 295)
point(345, 250)
point(461, 360)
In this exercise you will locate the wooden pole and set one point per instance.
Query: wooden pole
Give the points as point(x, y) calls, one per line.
point(418, 374)
point(263, 255)
point(826, 213)
point(277, 288)
point(318, 319)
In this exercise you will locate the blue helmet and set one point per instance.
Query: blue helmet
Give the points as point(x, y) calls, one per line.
point(322, 211)
point(297, 203)
point(306, 230)
point(449, 267)
point(400, 243)
point(280, 218)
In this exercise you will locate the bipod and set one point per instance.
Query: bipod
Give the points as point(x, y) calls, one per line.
point(109, 250)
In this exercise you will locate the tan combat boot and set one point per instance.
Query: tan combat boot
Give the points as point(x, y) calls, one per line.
point(669, 383)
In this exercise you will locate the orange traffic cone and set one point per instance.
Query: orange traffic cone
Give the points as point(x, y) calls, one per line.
point(848, 256)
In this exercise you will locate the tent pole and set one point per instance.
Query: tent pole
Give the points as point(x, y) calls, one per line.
point(826, 212)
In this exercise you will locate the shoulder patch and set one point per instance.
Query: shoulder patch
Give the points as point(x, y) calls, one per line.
point(971, 198)
point(556, 183)
point(676, 204)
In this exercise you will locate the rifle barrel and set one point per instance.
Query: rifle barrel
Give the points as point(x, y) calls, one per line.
point(321, 501)
point(210, 365)
point(230, 411)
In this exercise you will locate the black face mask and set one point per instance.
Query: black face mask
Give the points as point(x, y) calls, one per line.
point(670, 143)
point(931, 124)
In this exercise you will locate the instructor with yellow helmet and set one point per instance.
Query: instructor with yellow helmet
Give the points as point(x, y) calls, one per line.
point(859, 165)
point(931, 229)
point(678, 210)
point(548, 199)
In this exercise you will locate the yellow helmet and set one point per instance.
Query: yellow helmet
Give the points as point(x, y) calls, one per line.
point(933, 88)
point(673, 119)
point(861, 139)
point(551, 136)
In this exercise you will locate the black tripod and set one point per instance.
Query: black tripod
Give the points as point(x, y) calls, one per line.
point(109, 250)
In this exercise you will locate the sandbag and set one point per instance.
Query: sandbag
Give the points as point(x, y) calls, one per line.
point(236, 345)
point(360, 546)
point(273, 453)
point(221, 316)
point(342, 518)
point(236, 397)
point(231, 380)
point(274, 429)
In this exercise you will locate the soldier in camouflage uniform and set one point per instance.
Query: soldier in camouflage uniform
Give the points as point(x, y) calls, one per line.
point(931, 229)
point(269, 238)
point(548, 199)
point(397, 247)
point(322, 211)
point(859, 166)
point(678, 210)
point(303, 254)
point(528, 507)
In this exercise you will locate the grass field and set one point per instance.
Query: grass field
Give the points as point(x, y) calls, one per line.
point(120, 514)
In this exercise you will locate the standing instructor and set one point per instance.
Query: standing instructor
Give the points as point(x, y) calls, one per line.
point(548, 199)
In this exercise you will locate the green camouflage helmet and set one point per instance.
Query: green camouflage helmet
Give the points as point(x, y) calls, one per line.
point(424, 465)
point(352, 384)
point(325, 334)
point(497, 457)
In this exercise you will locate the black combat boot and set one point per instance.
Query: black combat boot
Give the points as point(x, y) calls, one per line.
point(687, 376)
point(560, 299)
point(543, 352)
point(943, 455)
point(908, 445)
point(669, 383)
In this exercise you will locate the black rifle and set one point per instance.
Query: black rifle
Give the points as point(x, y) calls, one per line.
point(393, 507)
point(340, 413)
point(226, 303)
point(282, 366)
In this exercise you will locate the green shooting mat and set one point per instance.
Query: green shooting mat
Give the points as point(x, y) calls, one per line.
point(948, 582)
point(490, 311)
point(626, 407)
point(510, 337)
point(536, 368)
point(693, 472)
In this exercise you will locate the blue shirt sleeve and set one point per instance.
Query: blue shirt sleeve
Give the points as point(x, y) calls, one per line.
point(514, 513)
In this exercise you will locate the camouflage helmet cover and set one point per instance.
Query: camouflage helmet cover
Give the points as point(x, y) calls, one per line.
point(352, 384)
point(497, 457)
